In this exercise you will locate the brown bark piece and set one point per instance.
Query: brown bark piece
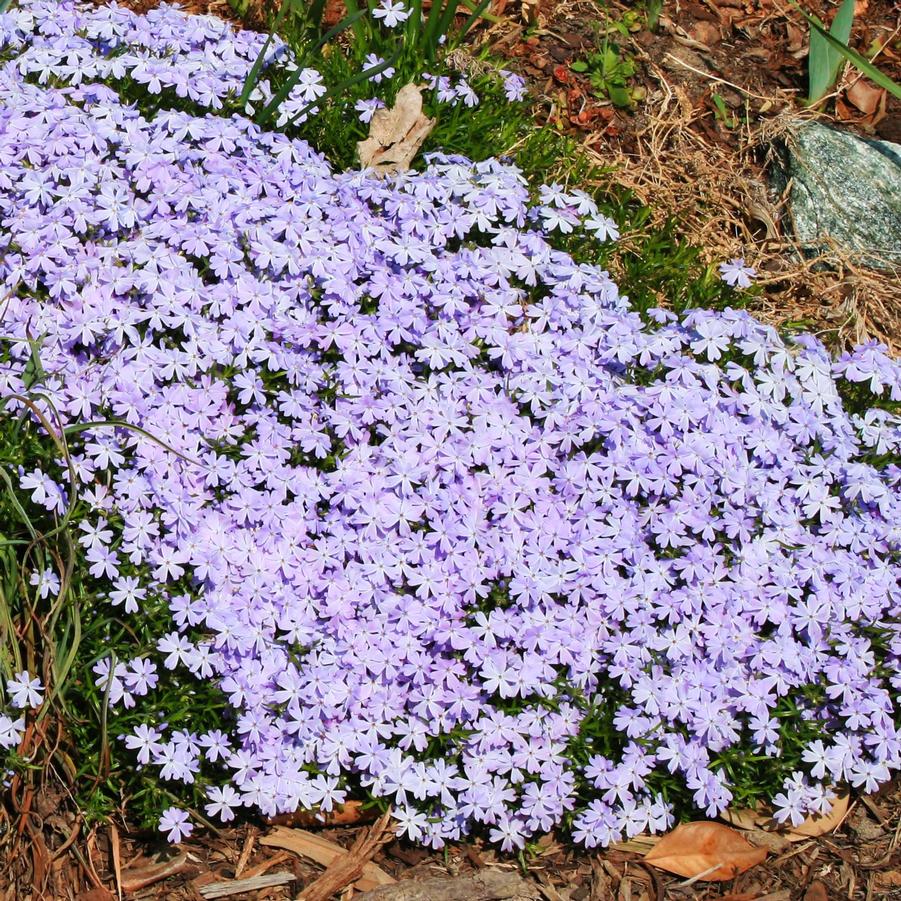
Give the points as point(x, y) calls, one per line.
point(135, 879)
point(323, 852)
point(347, 869)
point(486, 885)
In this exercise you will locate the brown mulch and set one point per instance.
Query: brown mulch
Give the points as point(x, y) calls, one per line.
point(859, 861)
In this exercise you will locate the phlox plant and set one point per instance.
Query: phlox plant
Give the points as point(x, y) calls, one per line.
point(420, 500)
point(385, 45)
point(55, 617)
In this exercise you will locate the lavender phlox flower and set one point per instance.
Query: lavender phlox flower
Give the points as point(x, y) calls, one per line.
point(24, 690)
point(737, 273)
point(390, 13)
point(176, 824)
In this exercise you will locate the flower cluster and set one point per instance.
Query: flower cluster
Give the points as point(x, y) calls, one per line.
point(441, 516)
point(199, 59)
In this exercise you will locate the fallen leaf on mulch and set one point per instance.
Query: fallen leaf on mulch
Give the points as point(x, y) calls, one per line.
point(323, 852)
point(396, 134)
point(869, 99)
point(350, 813)
point(640, 844)
point(758, 818)
point(95, 894)
point(888, 880)
point(707, 851)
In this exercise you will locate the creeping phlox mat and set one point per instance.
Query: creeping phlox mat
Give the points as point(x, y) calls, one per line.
point(444, 520)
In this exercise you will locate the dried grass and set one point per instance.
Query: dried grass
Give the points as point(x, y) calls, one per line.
point(723, 204)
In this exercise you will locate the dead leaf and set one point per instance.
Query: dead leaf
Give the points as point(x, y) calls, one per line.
point(640, 844)
point(816, 825)
point(350, 813)
point(889, 880)
point(760, 819)
point(95, 894)
point(797, 40)
point(705, 32)
point(869, 99)
point(529, 11)
point(746, 817)
point(707, 851)
point(396, 134)
point(117, 858)
point(323, 852)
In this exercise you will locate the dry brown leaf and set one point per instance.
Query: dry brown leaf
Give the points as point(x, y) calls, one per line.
point(869, 99)
point(746, 817)
point(814, 826)
point(759, 819)
point(323, 852)
point(351, 813)
point(707, 851)
point(396, 134)
point(529, 11)
point(890, 879)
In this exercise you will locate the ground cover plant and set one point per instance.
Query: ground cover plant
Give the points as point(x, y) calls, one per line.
point(393, 497)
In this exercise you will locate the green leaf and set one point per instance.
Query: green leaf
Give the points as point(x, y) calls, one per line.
point(579, 65)
point(254, 75)
point(823, 60)
point(619, 95)
point(875, 75)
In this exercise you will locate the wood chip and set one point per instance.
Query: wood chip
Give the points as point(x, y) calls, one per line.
point(250, 884)
point(486, 885)
point(347, 869)
point(246, 851)
point(324, 852)
point(135, 879)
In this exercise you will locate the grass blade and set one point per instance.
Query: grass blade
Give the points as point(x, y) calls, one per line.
point(860, 62)
point(253, 76)
point(273, 105)
point(823, 62)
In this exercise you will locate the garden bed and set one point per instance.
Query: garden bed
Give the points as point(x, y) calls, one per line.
point(337, 486)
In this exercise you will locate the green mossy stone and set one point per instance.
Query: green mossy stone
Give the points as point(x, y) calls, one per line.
point(843, 190)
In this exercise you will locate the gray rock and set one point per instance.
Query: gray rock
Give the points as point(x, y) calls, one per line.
point(845, 190)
